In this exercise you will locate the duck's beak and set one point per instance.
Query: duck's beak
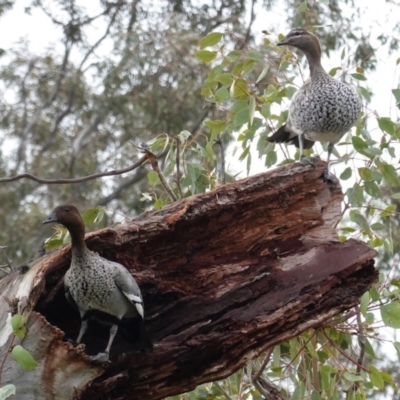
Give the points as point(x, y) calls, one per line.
point(51, 218)
point(282, 42)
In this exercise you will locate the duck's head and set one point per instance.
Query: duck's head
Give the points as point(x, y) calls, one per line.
point(301, 39)
point(67, 215)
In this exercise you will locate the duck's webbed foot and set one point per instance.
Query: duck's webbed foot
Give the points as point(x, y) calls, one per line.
point(101, 357)
point(308, 161)
point(329, 177)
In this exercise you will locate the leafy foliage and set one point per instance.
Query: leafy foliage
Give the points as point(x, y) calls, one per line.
point(190, 83)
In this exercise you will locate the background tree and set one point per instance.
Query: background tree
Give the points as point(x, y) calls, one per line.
point(126, 73)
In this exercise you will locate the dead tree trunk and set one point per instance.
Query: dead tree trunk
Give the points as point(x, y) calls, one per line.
point(225, 275)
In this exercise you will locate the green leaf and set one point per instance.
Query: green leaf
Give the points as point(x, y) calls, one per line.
point(375, 296)
point(255, 55)
point(333, 71)
point(146, 197)
point(263, 73)
point(210, 151)
point(369, 318)
point(364, 303)
point(368, 347)
point(387, 212)
point(352, 377)
point(373, 190)
point(18, 323)
point(222, 95)
point(158, 204)
point(378, 226)
point(217, 126)
point(315, 396)
point(359, 219)
point(224, 79)
point(396, 94)
point(271, 158)
point(234, 55)
point(358, 143)
point(390, 314)
point(302, 7)
point(184, 136)
point(23, 358)
point(52, 244)
point(252, 109)
point(206, 56)
point(396, 196)
point(210, 40)
point(397, 347)
point(376, 377)
point(387, 125)
point(299, 392)
point(7, 391)
point(92, 215)
point(359, 77)
point(346, 174)
point(355, 195)
point(364, 93)
point(153, 178)
point(365, 174)
point(240, 89)
point(389, 174)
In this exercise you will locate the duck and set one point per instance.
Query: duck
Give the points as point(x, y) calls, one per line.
point(323, 110)
point(100, 289)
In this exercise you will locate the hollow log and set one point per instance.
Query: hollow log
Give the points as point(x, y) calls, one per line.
point(225, 275)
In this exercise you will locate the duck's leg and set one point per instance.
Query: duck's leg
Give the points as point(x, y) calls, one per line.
point(329, 177)
point(102, 357)
point(305, 160)
point(84, 326)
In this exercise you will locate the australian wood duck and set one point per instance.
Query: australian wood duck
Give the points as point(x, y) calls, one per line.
point(99, 288)
point(323, 109)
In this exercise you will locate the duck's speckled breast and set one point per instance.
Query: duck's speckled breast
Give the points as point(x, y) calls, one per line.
point(324, 107)
point(90, 280)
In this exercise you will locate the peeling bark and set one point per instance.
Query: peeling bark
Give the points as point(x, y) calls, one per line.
point(225, 275)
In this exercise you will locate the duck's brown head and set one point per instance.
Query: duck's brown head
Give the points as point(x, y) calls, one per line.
point(69, 216)
point(300, 38)
point(306, 42)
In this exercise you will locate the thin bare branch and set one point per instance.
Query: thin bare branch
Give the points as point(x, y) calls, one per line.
point(75, 180)
point(263, 365)
point(61, 75)
point(345, 354)
point(154, 164)
point(119, 189)
point(178, 171)
point(361, 341)
point(268, 389)
point(223, 391)
point(59, 119)
point(107, 31)
point(221, 146)
point(248, 31)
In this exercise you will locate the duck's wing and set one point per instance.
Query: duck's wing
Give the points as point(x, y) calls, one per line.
point(69, 297)
point(129, 287)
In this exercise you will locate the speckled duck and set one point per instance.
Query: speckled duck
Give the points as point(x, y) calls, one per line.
point(99, 288)
point(323, 109)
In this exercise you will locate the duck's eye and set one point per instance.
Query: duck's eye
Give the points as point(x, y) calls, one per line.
point(66, 209)
point(297, 33)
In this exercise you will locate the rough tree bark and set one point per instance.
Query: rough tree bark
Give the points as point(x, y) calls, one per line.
point(225, 275)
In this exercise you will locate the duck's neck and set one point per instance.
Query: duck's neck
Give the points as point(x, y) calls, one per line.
point(78, 240)
point(313, 55)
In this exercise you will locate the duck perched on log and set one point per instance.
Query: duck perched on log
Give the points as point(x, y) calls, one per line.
point(323, 109)
point(99, 288)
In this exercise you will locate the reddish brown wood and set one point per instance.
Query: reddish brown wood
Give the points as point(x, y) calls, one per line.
point(225, 275)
